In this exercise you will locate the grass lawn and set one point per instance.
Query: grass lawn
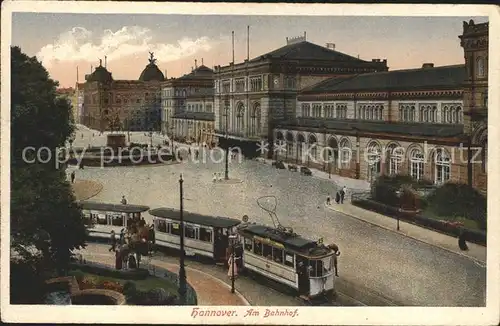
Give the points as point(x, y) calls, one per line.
point(151, 282)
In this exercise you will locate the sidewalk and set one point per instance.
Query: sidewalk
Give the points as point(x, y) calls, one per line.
point(210, 291)
point(475, 252)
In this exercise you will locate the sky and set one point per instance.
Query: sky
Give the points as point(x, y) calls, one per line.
point(63, 42)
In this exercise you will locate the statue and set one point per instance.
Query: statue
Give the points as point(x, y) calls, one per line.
point(100, 62)
point(152, 60)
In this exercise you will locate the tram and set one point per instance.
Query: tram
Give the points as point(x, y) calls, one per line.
point(110, 217)
point(203, 235)
point(276, 253)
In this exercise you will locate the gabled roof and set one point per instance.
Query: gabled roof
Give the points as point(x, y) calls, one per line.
point(306, 51)
point(195, 218)
point(421, 78)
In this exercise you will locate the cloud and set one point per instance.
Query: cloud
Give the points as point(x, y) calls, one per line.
point(78, 45)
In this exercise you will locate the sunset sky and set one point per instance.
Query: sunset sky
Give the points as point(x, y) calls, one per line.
point(64, 41)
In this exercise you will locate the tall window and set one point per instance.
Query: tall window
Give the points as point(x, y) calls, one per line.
point(300, 145)
point(289, 143)
point(240, 117)
point(341, 111)
point(395, 156)
point(417, 164)
point(329, 110)
point(407, 113)
point(306, 109)
point(345, 153)
point(316, 110)
point(443, 166)
point(312, 144)
point(480, 67)
point(374, 154)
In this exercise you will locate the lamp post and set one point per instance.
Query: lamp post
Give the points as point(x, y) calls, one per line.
point(226, 162)
point(232, 238)
point(357, 152)
point(172, 138)
point(182, 270)
point(399, 193)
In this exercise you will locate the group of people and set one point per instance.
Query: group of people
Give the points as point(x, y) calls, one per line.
point(339, 196)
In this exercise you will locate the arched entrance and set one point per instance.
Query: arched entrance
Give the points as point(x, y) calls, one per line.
point(374, 154)
point(332, 156)
point(278, 146)
point(289, 145)
point(312, 149)
point(300, 146)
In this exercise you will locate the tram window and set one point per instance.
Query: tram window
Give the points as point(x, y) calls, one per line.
point(175, 229)
point(267, 251)
point(205, 234)
point(278, 255)
point(117, 220)
point(288, 259)
point(189, 232)
point(316, 269)
point(102, 219)
point(257, 248)
point(162, 226)
point(248, 244)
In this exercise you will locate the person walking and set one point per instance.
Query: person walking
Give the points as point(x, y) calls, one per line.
point(462, 244)
point(113, 241)
point(328, 200)
point(214, 178)
point(337, 197)
point(219, 178)
point(342, 194)
point(232, 267)
point(73, 177)
point(124, 200)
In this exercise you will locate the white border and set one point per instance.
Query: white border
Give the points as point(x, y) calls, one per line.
point(307, 315)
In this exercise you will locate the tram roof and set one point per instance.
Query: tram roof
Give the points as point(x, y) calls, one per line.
point(127, 208)
point(190, 217)
point(288, 240)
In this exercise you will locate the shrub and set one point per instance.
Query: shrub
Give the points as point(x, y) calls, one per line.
point(129, 290)
point(108, 285)
point(409, 199)
point(79, 276)
point(459, 200)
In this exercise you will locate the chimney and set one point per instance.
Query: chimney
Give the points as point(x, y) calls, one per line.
point(202, 61)
point(330, 46)
point(305, 39)
point(165, 73)
point(192, 69)
point(428, 65)
point(195, 64)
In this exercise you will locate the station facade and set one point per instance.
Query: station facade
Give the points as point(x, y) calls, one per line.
point(425, 122)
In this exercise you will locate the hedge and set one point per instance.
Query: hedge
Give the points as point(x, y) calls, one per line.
point(475, 236)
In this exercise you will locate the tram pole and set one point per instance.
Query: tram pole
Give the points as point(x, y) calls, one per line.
point(232, 238)
point(182, 270)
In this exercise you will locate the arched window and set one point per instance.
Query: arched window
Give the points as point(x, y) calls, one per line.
point(395, 158)
point(240, 118)
point(370, 109)
point(255, 120)
point(453, 115)
point(374, 154)
point(443, 166)
point(417, 164)
point(444, 115)
point(480, 67)
point(313, 147)
point(412, 114)
point(434, 114)
point(460, 116)
point(345, 153)
point(300, 145)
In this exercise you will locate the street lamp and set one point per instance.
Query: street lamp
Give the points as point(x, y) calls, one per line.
point(172, 138)
point(399, 194)
point(226, 163)
point(232, 239)
point(182, 270)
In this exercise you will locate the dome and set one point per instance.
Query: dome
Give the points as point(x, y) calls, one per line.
point(101, 75)
point(151, 72)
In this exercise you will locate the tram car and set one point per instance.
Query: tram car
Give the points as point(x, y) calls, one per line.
point(110, 217)
point(204, 235)
point(279, 254)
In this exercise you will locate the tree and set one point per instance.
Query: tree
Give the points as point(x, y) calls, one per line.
point(44, 214)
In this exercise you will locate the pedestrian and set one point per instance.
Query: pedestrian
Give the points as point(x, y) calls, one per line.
point(336, 253)
point(219, 177)
point(214, 178)
point(232, 267)
point(122, 237)
point(328, 200)
point(73, 177)
point(462, 244)
point(124, 200)
point(118, 260)
point(337, 197)
point(113, 241)
point(342, 194)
